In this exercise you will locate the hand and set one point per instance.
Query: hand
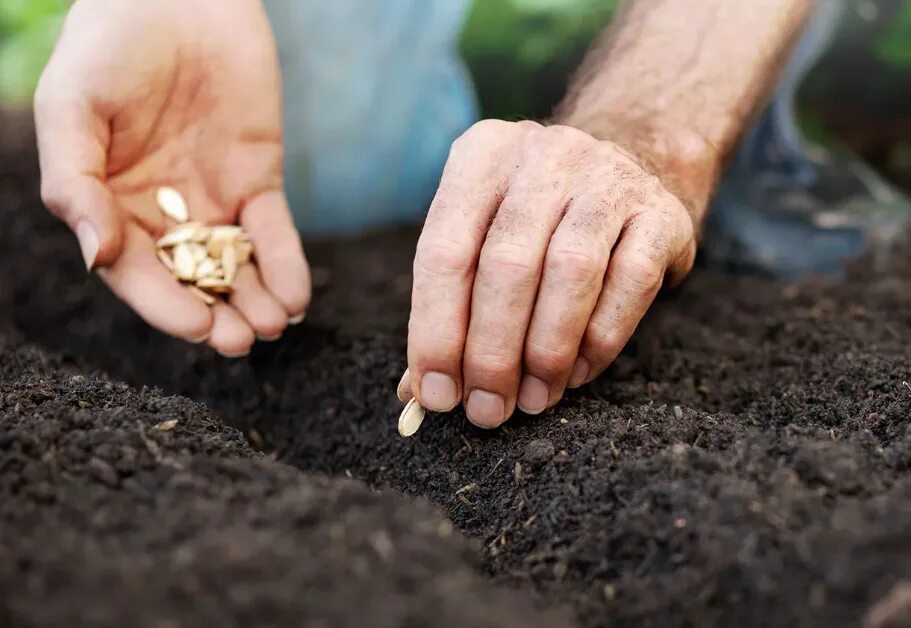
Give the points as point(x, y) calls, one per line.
point(541, 252)
point(139, 95)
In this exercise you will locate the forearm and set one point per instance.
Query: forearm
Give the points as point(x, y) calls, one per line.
point(676, 82)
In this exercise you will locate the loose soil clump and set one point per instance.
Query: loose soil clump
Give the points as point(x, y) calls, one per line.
point(745, 461)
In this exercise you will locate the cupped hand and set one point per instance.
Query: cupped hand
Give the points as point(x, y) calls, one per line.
point(541, 252)
point(140, 95)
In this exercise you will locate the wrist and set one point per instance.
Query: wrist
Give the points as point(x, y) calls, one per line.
point(686, 162)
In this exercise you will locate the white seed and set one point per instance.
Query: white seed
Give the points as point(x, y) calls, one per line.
point(214, 285)
point(198, 251)
point(202, 235)
point(178, 235)
point(229, 263)
point(226, 232)
point(172, 204)
point(207, 298)
point(166, 426)
point(166, 259)
point(244, 250)
point(206, 268)
point(221, 236)
point(184, 264)
point(411, 418)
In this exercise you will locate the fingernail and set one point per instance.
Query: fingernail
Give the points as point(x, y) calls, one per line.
point(269, 338)
point(234, 356)
point(297, 320)
point(403, 390)
point(580, 373)
point(439, 392)
point(200, 340)
point(533, 395)
point(88, 243)
point(485, 409)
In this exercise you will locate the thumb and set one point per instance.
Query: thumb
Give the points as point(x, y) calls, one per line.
point(72, 148)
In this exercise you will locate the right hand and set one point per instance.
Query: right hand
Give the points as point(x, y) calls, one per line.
point(139, 95)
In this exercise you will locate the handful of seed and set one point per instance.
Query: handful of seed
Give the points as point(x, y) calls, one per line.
point(206, 258)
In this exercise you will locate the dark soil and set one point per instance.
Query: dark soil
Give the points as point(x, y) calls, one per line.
point(744, 463)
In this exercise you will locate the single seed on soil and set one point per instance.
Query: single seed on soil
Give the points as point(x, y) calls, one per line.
point(184, 264)
point(206, 298)
point(166, 426)
point(411, 418)
point(172, 204)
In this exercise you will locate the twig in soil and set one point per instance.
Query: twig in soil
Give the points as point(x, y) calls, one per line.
point(906, 385)
point(499, 462)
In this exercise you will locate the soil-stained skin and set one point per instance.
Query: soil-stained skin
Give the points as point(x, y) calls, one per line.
point(743, 463)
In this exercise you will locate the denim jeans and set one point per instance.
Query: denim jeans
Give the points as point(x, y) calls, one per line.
point(375, 93)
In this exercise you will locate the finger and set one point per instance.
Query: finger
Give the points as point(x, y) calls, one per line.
point(257, 305)
point(650, 248)
point(279, 253)
point(403, 392)
point(231, 335)
point(72, 145)
point(503, 297)
point(573, 277)
point(143, 283)
point(471, 188)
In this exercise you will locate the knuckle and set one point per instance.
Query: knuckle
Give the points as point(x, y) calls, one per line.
point(547, 361)
point(641, 272)
point(575, 267)
point(490, 363)
point(603, 340)
point(509, 261)
point(563, 133)
point(52, 195)
point(432, 343)
point(443, 256)
point(482, 131)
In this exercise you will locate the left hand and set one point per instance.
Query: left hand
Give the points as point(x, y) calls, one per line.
point(541, 252)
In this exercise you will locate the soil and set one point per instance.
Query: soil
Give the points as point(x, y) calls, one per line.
point(744, 463)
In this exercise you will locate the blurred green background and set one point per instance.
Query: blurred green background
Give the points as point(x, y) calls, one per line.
point(522, 52)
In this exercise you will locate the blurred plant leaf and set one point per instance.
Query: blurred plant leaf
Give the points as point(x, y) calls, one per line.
point(894, 46)
point(24, 52)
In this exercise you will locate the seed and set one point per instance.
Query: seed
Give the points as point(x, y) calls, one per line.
point(229, 262)
point(207, 298)
point(172, 204)
point(166, 426)
point(214, 285)
point(202, 235)
point(411, 418)
point(198, 251)
point(179, 235)
point(221, 236)
point(244, 250)
point(184, 264)
point(206, 268)
point(166, 260)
